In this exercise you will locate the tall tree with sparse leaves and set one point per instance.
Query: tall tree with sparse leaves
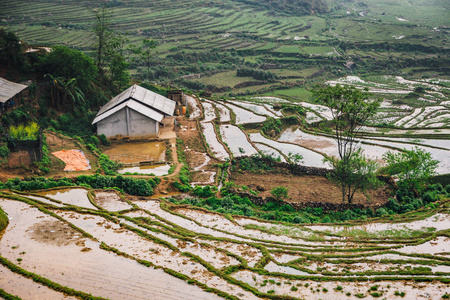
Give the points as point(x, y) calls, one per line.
point(350, 108)
point(108, 49)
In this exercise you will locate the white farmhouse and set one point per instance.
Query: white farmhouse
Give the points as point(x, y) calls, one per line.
point(135, 113)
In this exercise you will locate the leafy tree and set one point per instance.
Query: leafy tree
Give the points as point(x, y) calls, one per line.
point(145, 54)
point(65, 63)
point(11, 50)
point(104, 34)
point(356, 173)
point(414, 168)
point(63, 89)
point(108, 49)
point(350, 108)
point(279, 192)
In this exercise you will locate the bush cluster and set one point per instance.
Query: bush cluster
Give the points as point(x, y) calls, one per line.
point(405, 201)
point(256, 74)
point(132, 186)
point(274, 211)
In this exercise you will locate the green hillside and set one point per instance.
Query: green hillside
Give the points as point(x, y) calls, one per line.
point(210, 37)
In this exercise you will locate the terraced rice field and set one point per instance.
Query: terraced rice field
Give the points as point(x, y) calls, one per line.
point(225, 138)
point(167, 251)
point(403, 105)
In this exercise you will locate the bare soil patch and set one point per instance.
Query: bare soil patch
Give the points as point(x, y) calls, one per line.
point(57, 143)
point(195, 151)
point(308, 188)
point(54, 233)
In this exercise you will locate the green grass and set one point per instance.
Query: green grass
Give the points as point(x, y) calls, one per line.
point(298, 94)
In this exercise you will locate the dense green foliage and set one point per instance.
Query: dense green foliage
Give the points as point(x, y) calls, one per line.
point(256, 74)
point(69, 63)
point(414, 168)
point(355, 173)
point(254, 163)
point(279, 192)
point(184, 175)
point(109, 166)
point(130, 185)
point(10, 49)
point(233, 204)
point(27, 132)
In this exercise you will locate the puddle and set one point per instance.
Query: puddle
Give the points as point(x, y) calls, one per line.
point(216, 148)
point(236, 141)
point(133, 153)
point(111, 201)
point(244, 116)
point(310, 158)
point(259, 109)
point(266, 150)
point(156, 170)
point(74, 196)
point(274, 268)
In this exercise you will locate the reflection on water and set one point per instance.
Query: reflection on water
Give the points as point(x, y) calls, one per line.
point(157, 170)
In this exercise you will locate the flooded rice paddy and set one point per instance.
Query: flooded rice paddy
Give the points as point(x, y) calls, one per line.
point(133, 153)
point(244, 116)
point(237, 141)
point(310, 158)
point(214, 255)
point(258, 109)
point(217, 149)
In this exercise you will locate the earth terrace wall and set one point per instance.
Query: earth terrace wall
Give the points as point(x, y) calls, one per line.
point(304, 170)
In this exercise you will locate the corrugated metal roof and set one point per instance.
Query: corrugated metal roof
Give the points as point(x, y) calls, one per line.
point(134, 105)
point(160, 103)
point(9, 89)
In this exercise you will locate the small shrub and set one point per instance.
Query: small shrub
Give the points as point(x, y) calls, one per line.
point(4, 151)
point(376, 294)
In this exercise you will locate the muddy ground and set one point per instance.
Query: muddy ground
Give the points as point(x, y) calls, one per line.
point(195, 151)
point(308, 188)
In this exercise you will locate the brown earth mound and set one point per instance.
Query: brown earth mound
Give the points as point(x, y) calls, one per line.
point(308, 188)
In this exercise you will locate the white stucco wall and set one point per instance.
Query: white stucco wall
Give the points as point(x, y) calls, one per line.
point(113, 125)
point(141, 125)
point(127, 122)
